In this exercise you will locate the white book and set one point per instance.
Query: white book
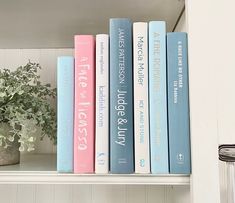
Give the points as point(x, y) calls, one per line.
point(141, 108)
point(102, 104)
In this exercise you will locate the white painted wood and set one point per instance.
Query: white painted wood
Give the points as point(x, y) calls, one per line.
point(204, 60)
point(117, 193)
point(179, 194)
point(54, 23)
point(225, 69)
point(41, 169)
point(63, 194)
point(81, 194)
point(44, 193)
point(102, 193)
point(8, 193)
point(136, 193)
point(54, 178)
point(156, 194)
point(25, 194)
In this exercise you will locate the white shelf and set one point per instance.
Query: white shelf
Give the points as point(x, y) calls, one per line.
point(41, 169)
point(52, 24)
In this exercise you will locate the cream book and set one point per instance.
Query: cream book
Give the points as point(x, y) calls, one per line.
point(141, 113)
point(102, 104)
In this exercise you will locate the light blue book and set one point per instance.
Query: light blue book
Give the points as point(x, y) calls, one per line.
point(65, 110)
point(121, 97)
point(158, 98)
point(178, 103)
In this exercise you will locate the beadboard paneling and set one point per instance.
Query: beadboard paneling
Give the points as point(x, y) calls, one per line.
point(82, 194)
point(25, 194)
point(136, 194)
point(63, 193)
point(8, 193)
point(93, 194)
point(44, 193)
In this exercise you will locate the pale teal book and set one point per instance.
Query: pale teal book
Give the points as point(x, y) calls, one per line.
point(158, 98)
point(65, 110)
point(121, 97)
point(178, 103)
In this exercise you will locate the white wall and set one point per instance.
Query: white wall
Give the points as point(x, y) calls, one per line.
point(91, 194)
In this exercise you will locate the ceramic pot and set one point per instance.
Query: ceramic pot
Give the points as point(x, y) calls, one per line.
point(11, 154)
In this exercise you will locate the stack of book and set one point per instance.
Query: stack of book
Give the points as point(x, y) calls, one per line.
point(123, 103)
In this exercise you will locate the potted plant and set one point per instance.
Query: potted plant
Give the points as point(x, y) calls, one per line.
point(24, 107)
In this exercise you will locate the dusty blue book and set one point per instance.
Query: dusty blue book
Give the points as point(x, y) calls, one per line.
point(65, 110)
point(178, 103)
point(158, 98)
point(121, 97)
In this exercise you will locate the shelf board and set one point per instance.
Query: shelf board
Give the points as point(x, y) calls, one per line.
point(41, 169)
point(52, 24)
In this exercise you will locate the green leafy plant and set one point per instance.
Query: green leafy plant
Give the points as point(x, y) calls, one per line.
point(25, 106)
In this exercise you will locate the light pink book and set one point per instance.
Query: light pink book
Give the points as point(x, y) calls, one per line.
point(84, 115)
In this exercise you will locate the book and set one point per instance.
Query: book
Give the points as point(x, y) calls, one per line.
point(65, 109)
point(121, 97)
point(141, 107)
point(84, 114)
point(102, 104)
point(157, 98)
point(178, 103)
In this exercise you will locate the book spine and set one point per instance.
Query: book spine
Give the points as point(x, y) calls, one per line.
point(121, 97)
point(178, 103)
point(84, 117)
point(141, 111)
point(65, 109)
point(102, 104)
point(157, 97)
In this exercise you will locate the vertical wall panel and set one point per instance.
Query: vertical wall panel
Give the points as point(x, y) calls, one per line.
point(156, 194)
point(211, 58)
point(81, 194)
point(8, 193)
point(44, 193)
point(179, 194)
point(63, 193)
point(136, 193)
point(25, 194)
point(101, 193)
point(117, 193)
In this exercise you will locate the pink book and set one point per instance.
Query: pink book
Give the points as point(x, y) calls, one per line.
point(84, 115)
